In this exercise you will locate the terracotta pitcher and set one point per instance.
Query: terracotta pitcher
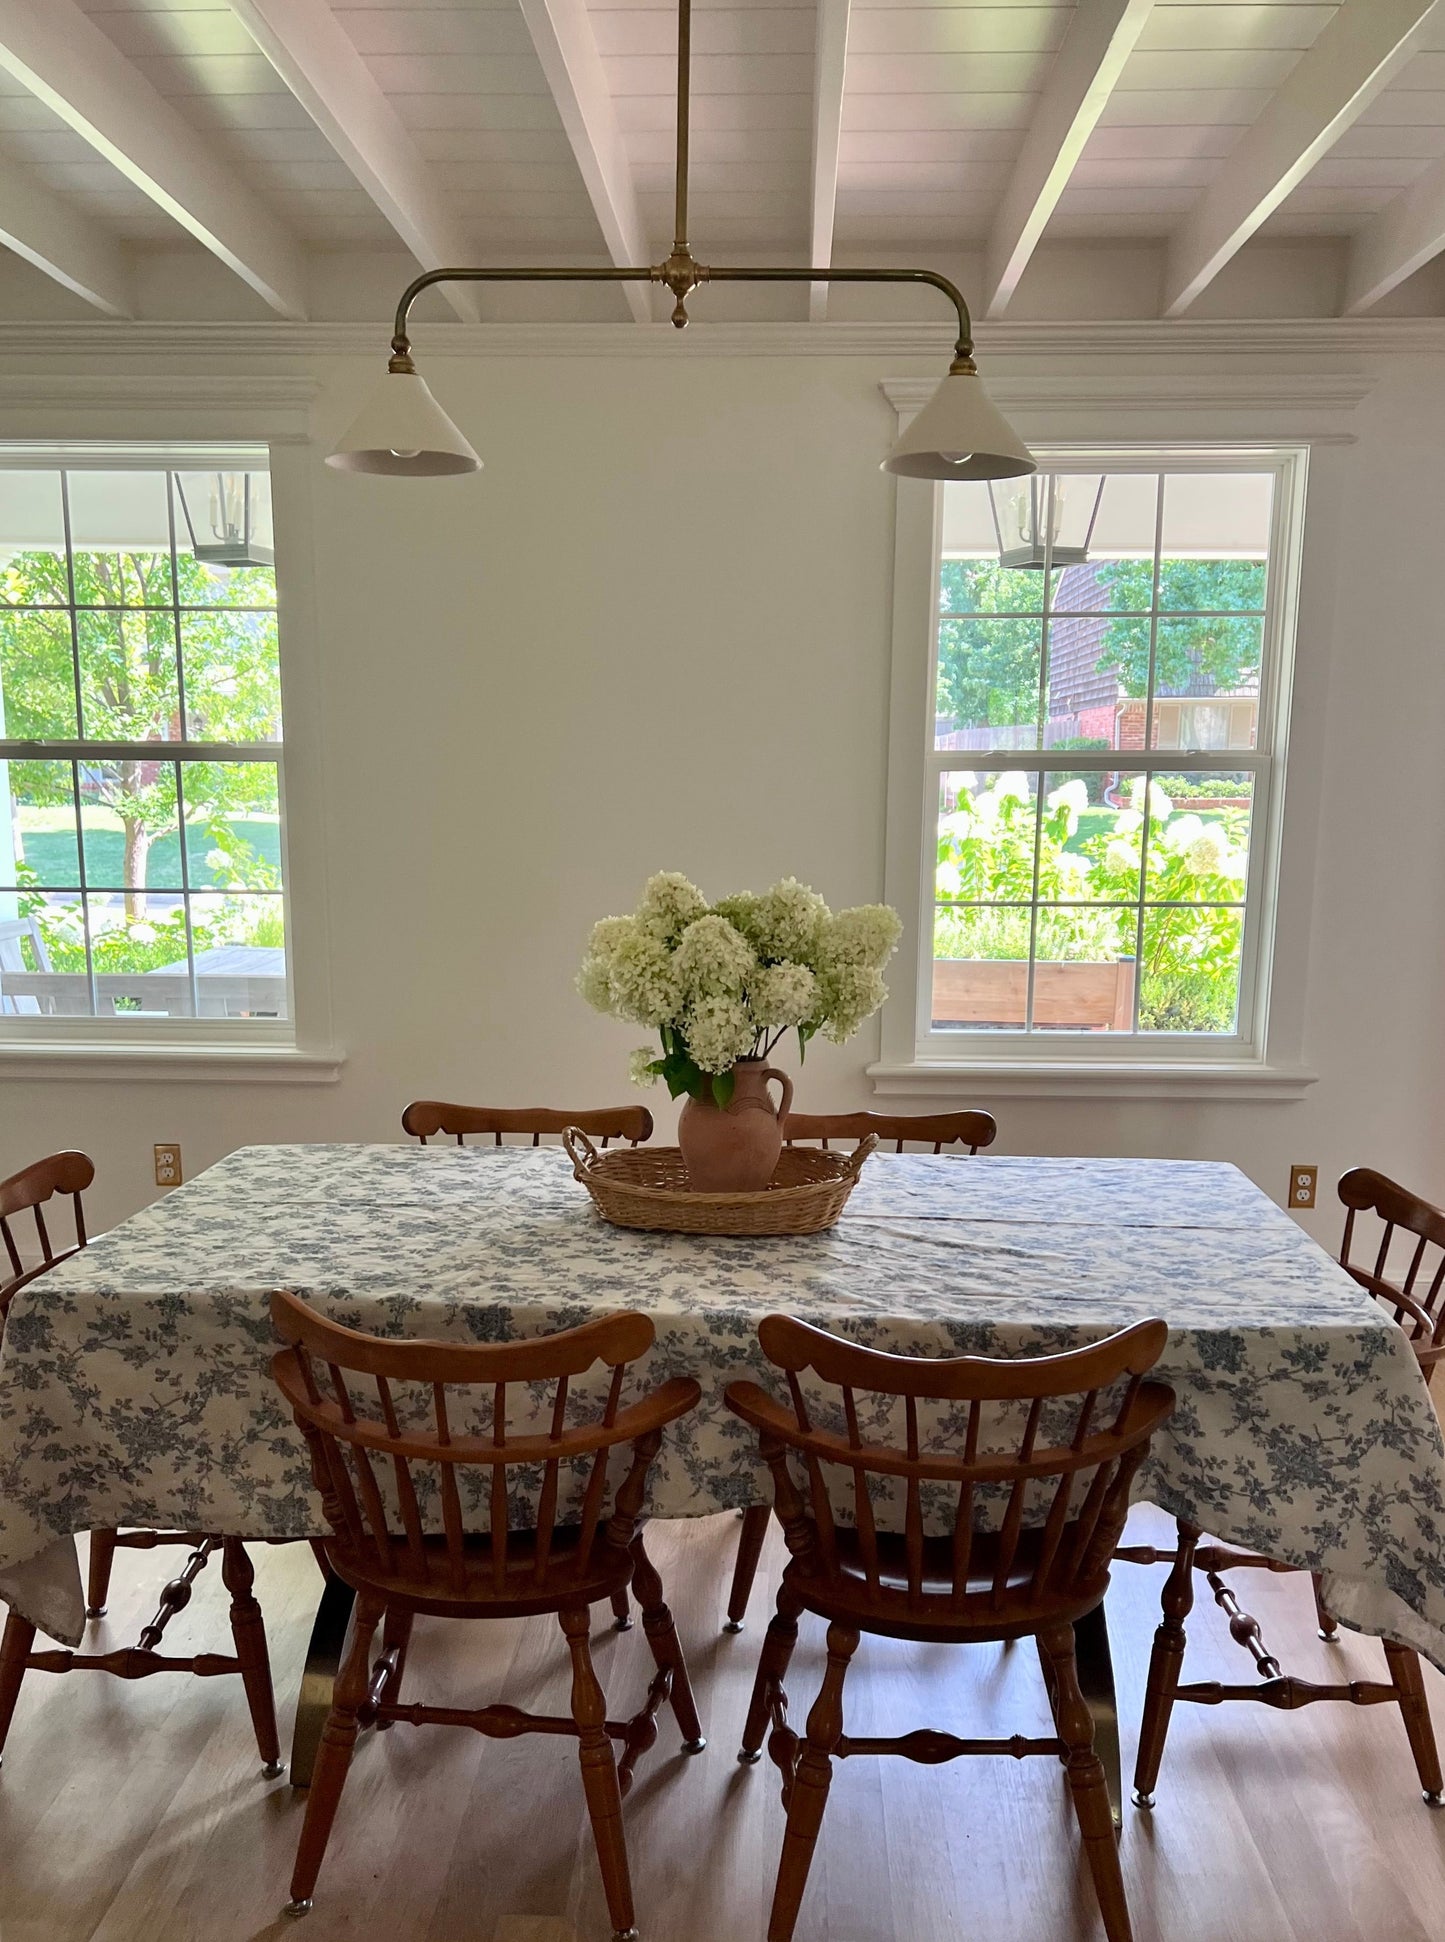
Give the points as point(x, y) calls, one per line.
point(734, 1149)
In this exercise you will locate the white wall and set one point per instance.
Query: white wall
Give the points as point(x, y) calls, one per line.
point(654, 633)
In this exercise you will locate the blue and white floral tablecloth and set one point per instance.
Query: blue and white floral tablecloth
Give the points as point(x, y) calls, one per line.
point(135, 1387)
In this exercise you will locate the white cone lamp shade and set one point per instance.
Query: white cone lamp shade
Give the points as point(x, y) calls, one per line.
point(402, 430)
point(960, 434)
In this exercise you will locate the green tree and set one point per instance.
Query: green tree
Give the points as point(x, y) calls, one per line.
point(125, 633)
point(988, 654)
point(1191, 639)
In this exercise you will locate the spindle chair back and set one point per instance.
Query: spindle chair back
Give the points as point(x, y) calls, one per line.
point(425, 1118)
point(408, 1434)
point(1027, 1463)
point(972, 1128)
point(1416, 1297)
point(1063, 1502)
point(28, 1192)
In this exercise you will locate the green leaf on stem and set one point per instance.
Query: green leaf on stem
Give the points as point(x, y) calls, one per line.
point(722, 1088)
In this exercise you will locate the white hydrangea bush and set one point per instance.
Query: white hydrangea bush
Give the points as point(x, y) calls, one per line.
point(722, 982)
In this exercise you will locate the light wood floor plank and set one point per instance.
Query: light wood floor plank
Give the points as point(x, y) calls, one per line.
point(135, 1812)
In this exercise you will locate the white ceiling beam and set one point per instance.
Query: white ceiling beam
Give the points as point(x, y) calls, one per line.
point(1101, 37)
point(1403, 237)
point(1362, 48)
point(60, 239)
point(61, 56)
point(562, 34)
point(316, 58)
point(830, 62)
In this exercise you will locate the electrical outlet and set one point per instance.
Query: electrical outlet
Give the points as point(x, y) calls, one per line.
point(168, 1166)
point(1302, 1184)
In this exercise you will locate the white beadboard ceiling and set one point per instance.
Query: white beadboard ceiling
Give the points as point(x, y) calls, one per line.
point(993, 127)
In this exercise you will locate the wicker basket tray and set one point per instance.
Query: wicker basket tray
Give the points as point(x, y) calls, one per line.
point(646, 1186)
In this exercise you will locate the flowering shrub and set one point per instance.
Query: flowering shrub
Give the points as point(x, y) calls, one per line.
point(724, 982)
point(1189, 962)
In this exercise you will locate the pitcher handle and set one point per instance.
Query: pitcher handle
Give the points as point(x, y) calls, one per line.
point(785, 1104)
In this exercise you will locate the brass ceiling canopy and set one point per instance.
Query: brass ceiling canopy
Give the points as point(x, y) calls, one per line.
point(959, 434)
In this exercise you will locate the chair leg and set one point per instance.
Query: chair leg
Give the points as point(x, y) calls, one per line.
point(812, 1778)
point(14, 1651)
point(750, 1549)
point(97, 1575)
point(658, 1624)
point(395, 1637)
point(599, 1776)
point(1088, 1783)
point(1415, 1711)
point(778, 1642)
point(621, 1611)
point(333, 1759)
point(1329, 1630)
point(1164, 1663)
point(249, 1632)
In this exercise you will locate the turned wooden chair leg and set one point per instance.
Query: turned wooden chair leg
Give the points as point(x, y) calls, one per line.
point(1329, 1630)
point(658, 1624)
point(97, 1574)
point(778, 1643)
point(248, 1629)
point(15, 1647)
point(395, 1637)
point(333, 1760)
point(750, 1549)
point(599, 1776)
point(1164, 1663)
point(1415, 1711)
point(621, 1611)
point(809, 1793)
point(1087, 1783)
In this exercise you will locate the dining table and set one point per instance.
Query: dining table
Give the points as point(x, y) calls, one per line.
point(135, 1383)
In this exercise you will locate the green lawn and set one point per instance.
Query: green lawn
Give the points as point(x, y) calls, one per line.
point(50, 849)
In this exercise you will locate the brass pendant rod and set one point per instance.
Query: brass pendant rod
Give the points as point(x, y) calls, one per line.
point(684, 95)
point(662, 273)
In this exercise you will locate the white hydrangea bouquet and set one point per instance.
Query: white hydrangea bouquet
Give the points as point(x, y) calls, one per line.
point(723, 982)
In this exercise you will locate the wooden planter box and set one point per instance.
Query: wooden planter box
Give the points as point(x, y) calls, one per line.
point(1092, 997)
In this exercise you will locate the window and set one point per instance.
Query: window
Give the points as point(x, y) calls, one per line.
point(1103, 766)
point(141, 849)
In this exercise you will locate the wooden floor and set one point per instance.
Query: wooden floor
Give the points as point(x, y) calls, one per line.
point(137, 1813)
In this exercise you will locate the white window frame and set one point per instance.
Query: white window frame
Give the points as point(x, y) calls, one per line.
point(299, 1045)
point(917, 1059)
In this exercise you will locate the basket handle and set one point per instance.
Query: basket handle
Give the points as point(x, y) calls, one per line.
point(859, 1154)
point(583, 1154)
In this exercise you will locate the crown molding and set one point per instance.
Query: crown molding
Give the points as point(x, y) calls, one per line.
point(271, 407)
point(1324, 337)
point(1309, 393)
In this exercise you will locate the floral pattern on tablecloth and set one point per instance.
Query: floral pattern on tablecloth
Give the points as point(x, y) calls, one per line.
point(135, 1384)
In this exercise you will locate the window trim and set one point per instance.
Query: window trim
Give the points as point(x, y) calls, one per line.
point(916, 1059)
point(299, 1046)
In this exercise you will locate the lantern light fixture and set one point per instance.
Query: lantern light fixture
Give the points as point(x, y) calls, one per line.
point(228, 517)
point(959, 434)
point(1030, 536)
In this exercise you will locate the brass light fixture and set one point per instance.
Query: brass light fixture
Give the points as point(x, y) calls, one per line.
point(959, 434)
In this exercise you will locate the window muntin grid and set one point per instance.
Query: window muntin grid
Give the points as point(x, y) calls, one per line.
point(1177, 605)
point(141, 763)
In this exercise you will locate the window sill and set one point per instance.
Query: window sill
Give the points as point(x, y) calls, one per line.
point(175, 1064)
point(1094, 1079)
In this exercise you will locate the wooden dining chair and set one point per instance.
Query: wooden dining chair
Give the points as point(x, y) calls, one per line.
point(425, 1118)
point(1414, 1302)
point(1053, 1511)
point(376, 1461)
point(971, 1128)
point(29, 1191)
